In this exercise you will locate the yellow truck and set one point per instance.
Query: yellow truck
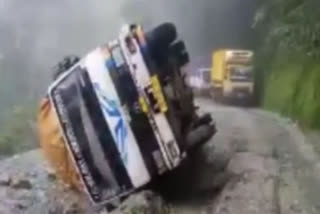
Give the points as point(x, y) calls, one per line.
point(232, 75)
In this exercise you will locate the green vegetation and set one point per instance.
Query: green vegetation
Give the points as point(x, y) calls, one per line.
point(288, 59)
point(17, 133)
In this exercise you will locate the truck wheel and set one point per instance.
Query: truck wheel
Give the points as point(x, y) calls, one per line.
point(199, 136)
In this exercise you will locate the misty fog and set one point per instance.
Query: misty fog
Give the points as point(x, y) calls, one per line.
point(35, 34)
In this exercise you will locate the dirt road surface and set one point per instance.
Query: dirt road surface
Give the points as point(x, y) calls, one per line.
point(278, 163)
point(258, 163)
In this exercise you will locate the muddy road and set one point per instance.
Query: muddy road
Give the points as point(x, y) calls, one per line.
point(258, 163)
point(283, 159)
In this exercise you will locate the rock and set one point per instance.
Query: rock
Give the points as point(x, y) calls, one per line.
point(145, 202)
point(251, 188)
point(73, 209)
point(52, 176)
point(32, 174)
point(21, 183)
point(5, 179)
point(55, 209)
point(23, 204)
point(295, 207)
point(41, 195)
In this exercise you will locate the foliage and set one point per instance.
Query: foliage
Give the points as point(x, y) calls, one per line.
point(292, 24)
point(287, 60)
point(17, 133)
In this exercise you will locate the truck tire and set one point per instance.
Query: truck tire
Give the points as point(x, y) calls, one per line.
point(197, 137)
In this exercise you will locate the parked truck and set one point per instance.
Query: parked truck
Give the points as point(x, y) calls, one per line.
point(199, 81)
point(232, 75)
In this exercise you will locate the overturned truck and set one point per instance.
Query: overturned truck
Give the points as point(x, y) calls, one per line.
point(124, 113)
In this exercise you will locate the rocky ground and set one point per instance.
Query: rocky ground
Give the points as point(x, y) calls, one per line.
point(258, 163)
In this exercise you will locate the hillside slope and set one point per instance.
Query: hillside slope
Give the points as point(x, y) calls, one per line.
point(287, 62)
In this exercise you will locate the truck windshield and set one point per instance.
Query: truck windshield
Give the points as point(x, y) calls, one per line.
point(241, 74)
